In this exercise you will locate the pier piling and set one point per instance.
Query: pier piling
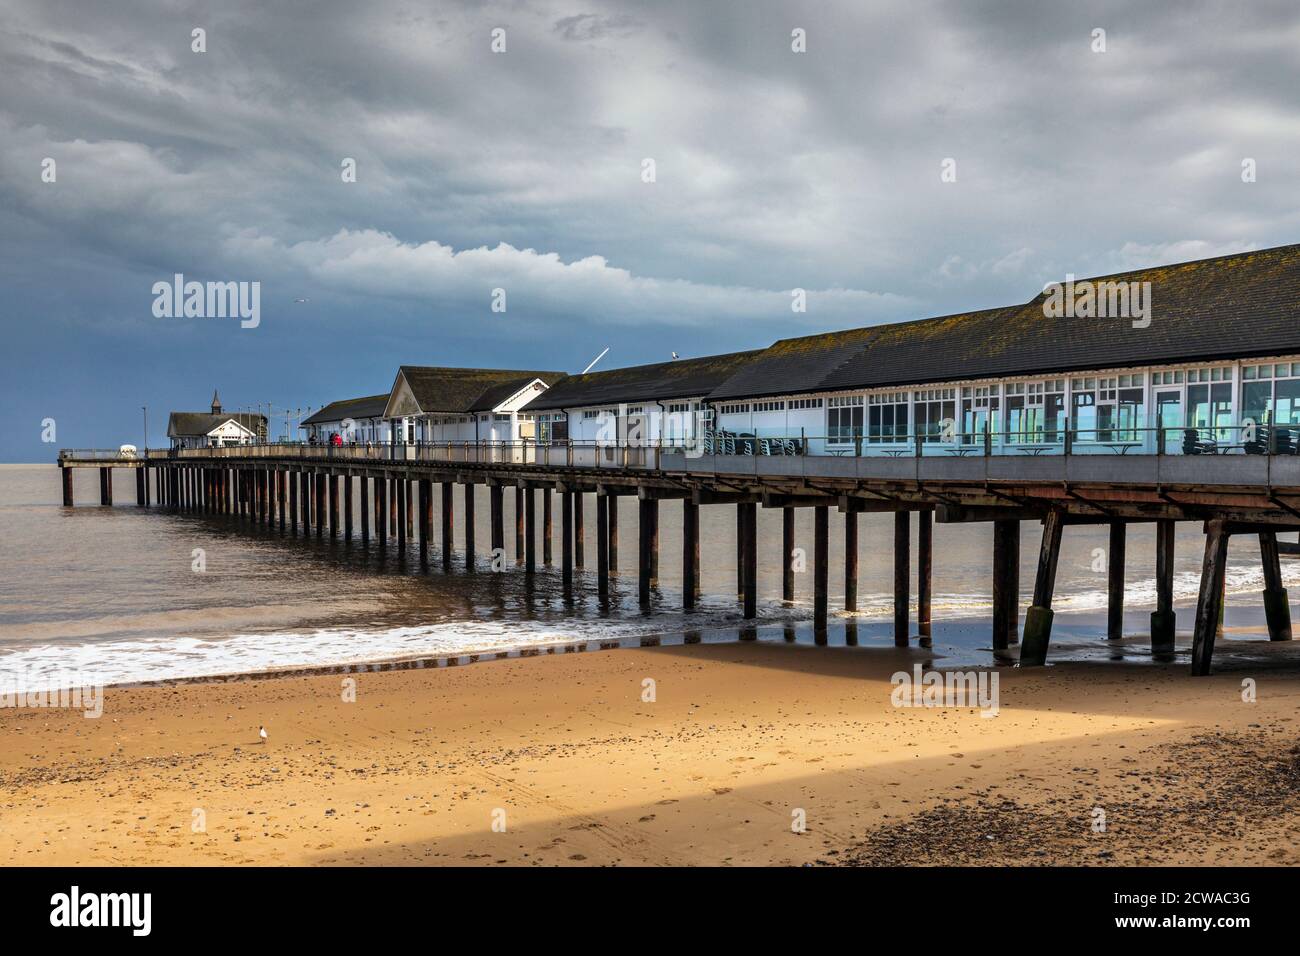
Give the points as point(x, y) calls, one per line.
point(924, 573)
point(579, 530)
point(602, 547)
point(613, 534)
point(139, 487)
point(423, 525)
point(547, 530)
point(1163, 619)
point(448, 521)
point(403, 513)
point(1038, 620)
point(65, 475)
point(469, 526)
point(497, 522)
point(1006, 583)
point(364, 507)
point(1115, 581)
point(787, 555)
point(902, 578)
point(106, 486)
point(530, 530)
point(566, 543)
point(850, 560)
point(519, 525)
point(648, 515)
point(690, 550)
point(749, 560)
point(1277, 609)
point(1209, 603)
point(821, 571)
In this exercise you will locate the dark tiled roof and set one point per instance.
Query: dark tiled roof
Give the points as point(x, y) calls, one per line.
point(1235, 306)
point(372, 406)
point(680, 378)
point(794, 365)
point(200, 423)
point(460, 390)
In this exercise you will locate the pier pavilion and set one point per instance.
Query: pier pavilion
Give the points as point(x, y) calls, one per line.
point(1186, 413)
point(355, 419)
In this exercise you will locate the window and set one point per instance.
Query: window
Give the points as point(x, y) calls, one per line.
point(798, 403)
point(740, 409)
point(1270, 394)
point(887, 417)
point(589, 413)
point(769, 406)
point(934, 414)
point(979, 410)
point(1035, 411)
point(844, 419)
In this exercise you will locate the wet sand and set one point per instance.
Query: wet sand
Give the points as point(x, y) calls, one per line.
point(557, 760)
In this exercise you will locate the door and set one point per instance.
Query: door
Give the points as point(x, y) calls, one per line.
point(1169, 419)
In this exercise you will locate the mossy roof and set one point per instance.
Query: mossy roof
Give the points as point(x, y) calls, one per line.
point(680, 378)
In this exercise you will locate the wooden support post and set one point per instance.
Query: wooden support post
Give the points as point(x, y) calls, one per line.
point(364, 508)
point(519, 526)
point(530, 531)
point(66, 475)
point(654, 544)
point(1115, 581)
point(566, 544)
point(106, 486)
point(902, 578)
point(448, 516)
point(602, 547)
point(393, 493)
point(408, 496)
point(547, 530)
point(322, 503)
point(347, 507)
point(1163, 618)
point(750, 552)
point(497, 521)
point(422, 525)
point(740, 553)
point(139, 487)
point(334, 505)
point(850, 560)
point(787, 555)
point(1038, 620)
point(646, 532)
point(613, 534)
point(690, 552)
point(1006, 583)
point(821, 571)
point(924, 573)
point(381, 512)
point(426, 518)
point(403, 512)
point(1209, 603)
point(1277, 609)
point(469, 526)
point(579, 530)
point(292, 480)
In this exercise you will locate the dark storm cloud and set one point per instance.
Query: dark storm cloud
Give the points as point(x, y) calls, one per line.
point(522, 170)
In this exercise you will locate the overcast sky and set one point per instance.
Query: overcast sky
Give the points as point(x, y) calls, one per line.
point(524, 170)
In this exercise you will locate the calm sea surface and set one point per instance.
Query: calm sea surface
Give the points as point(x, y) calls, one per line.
point(113, 591)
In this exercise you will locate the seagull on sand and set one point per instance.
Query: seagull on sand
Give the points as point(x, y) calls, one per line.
point(261, 732)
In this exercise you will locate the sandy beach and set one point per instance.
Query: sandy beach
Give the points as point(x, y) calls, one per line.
point(558, 760)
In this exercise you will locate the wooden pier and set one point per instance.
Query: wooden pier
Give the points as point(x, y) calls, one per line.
point(295, 489)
